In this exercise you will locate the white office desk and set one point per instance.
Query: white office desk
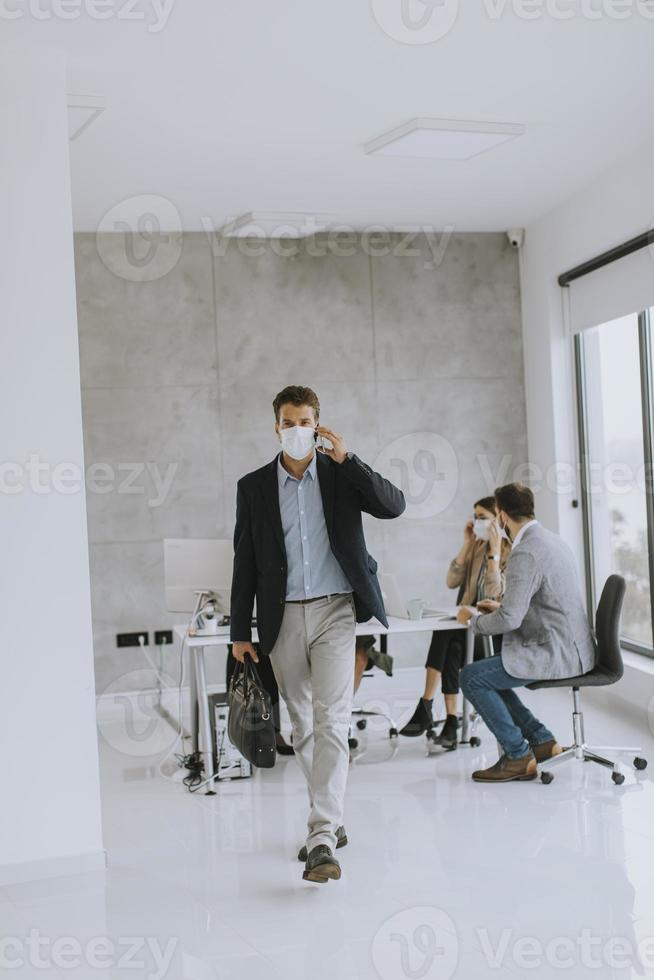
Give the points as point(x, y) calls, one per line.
point(200, 717)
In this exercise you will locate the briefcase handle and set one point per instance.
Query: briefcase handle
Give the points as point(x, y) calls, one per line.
point(251, 682)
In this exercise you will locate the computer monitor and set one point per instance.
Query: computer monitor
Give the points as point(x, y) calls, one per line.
point(395, 603)
point(191, 564)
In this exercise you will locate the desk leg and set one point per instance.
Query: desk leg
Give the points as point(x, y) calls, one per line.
point(205, 723)
point(470, 656)
point(193, 693)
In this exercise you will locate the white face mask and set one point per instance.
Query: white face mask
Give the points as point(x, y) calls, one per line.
point(298, 441)
point(481, 528)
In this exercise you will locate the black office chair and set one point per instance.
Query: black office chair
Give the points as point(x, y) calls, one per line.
point(608, 670)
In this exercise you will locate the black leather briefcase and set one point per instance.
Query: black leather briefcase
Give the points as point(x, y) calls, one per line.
point(251, 727)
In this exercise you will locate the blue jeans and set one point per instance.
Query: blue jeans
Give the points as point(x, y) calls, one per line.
point(489, 689)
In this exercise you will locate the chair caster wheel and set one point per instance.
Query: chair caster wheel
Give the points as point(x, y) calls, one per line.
point(361, 724)
point(474, 742)
point(546, 777)
point(640, 763)
point(617, 778)
point(392, 733)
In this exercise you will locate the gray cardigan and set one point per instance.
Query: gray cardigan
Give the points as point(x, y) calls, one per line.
point(542, 616)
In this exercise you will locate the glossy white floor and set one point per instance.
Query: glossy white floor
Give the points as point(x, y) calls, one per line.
point(442, 877)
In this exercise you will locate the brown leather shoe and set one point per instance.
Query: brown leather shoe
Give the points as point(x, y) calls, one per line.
point(321, 865)
point(546, 750)
point(506, 769)
point(341, 841)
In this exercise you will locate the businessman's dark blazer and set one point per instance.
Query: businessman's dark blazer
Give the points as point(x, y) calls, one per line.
point(348, 489)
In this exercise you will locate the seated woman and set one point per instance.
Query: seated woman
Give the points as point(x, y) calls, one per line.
point(478, 573)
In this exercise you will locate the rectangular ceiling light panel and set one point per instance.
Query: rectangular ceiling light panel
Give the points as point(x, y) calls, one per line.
point(443, 139)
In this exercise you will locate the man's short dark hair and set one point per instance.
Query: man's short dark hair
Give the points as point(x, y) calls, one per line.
point(296, 395)
point(516, 500)
point(488, 503)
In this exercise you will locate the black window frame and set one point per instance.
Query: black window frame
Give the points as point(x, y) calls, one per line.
point(645, 326)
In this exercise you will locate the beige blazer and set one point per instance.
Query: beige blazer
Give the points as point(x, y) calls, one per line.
point(479, 578)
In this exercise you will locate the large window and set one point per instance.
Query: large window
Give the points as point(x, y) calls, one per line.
point(614, 378)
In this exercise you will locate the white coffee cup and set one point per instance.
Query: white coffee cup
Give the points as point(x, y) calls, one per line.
point(416, 607)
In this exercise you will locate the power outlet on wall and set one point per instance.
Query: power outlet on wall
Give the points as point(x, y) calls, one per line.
point(132, 639)
point(163, 638)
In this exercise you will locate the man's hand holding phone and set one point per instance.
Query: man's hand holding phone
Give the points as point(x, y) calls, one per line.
point(241, 650)
point(338, 451)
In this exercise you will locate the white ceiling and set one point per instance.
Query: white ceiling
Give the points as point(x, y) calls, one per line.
point(261, 106)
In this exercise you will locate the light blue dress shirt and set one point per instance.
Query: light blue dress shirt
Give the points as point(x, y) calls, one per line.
point(312, 568)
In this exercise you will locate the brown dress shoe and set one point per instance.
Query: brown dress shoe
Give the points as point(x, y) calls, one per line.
point(546, 750)
point(321, 865)
point(506, 769)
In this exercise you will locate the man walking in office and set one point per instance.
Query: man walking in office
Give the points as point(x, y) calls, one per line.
point(546, 636)
point(299, 549)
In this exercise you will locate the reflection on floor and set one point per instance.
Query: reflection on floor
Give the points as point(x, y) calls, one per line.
point(442, 877)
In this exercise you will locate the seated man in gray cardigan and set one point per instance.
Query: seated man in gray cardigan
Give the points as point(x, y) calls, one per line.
point(546, 636)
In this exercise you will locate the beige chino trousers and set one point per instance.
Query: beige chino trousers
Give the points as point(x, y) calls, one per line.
point(313, 663)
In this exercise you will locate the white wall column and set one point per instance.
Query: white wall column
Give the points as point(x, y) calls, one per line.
point(51, 798)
